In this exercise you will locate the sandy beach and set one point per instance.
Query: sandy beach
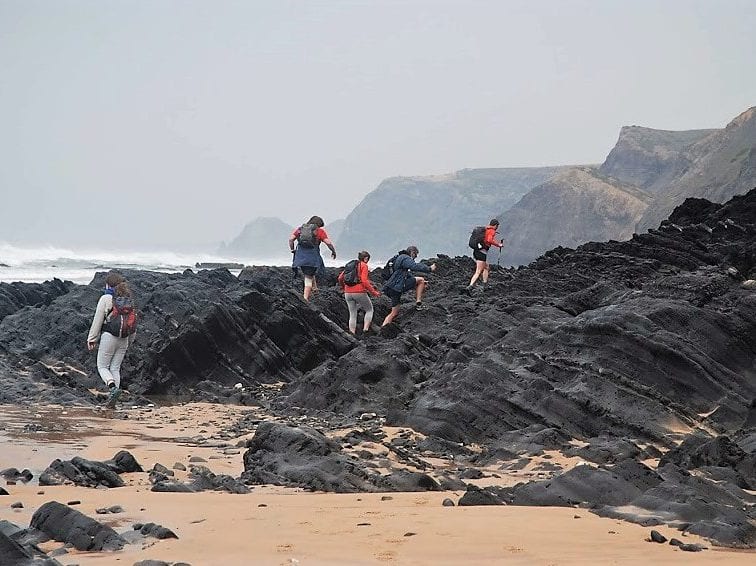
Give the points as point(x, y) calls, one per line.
point(274, 525)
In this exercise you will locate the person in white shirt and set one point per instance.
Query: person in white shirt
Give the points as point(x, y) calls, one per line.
point(112, 349)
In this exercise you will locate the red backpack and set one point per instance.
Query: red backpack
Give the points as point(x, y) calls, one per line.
point(123, 318)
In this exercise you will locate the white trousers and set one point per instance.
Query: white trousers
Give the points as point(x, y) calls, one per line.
point(110, 356)
point(356, 301)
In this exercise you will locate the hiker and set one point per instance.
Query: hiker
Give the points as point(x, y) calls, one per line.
point(307, 253)
point(355, 280)
point(115, 329)
point(401, 280)
point(481, 240)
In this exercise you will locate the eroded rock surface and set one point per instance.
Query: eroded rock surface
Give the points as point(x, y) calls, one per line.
point(613, 353)
point(65, 524)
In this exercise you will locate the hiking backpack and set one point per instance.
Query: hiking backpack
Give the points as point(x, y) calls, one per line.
point(388, 269)
point(307, 237)
point(123, 318)
point(477, 237)
point(351, 273)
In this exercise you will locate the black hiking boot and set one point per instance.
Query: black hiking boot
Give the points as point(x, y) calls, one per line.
point(115, 393)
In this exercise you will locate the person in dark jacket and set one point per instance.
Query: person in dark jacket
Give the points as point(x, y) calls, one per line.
point(480, 254)
point(307, 256)
point(356, 296)
point(403, 280)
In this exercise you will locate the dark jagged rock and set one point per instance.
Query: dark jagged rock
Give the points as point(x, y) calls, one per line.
point(605, 450)
point(15, 296)
point(301, 457)
point(88, 473)
point(157, 531)
point(581, 484)
point(12, 474)
point(479, 496)
point(656, 536)
point(304, 457)
point(705, 508)
point(16, 554)
point(80, 471)
point(692, 547)
point(107, 510)
point(698, 451)
point(162, 469)
point(208, 326)
point(406, 481)
point(172, 487)
point(442, 446)
point(203, 479)
point(531, 440)
point(64, 524)
point(124, 462)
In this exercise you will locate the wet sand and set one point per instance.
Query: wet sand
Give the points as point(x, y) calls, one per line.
point(274, 525)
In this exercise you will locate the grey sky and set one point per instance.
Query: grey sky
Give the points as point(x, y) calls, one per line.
point(199, 116)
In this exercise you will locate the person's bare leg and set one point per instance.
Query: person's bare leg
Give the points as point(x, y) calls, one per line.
point(307, 287)
point(419, 288)
point(486, 272)
point(479, 266)
point(391, 316)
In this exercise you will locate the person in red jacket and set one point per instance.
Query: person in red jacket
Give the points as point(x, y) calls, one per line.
point(480, 254)
point(356, 296)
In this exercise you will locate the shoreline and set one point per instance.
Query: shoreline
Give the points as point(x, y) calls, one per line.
point(276, 525)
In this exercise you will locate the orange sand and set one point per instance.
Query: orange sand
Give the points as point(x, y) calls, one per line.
point(288, 526)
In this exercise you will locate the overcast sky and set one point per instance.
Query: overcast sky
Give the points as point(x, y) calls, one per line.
point(166, 122)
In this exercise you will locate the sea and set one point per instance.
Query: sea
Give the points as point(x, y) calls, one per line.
point(35, 264)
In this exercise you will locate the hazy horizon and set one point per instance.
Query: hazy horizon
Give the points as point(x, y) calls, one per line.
point(172, 124)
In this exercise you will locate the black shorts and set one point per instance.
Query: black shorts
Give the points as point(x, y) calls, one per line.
point(396, 296)
point(309, 271)
point(480, 255)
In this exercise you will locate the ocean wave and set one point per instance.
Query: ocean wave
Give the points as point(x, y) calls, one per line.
point(45, 262)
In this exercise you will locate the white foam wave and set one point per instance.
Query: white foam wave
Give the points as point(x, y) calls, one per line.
point(41, 263)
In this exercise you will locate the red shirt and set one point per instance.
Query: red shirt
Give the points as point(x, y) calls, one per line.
point(490, 238)
point(364, 286)
point(320, 234)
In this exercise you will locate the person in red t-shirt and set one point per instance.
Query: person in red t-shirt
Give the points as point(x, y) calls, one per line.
point(307, 253)
point(356, 296)
point(480, 254)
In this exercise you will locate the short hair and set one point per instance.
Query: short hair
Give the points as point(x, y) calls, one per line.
point(363, 255)
point(317, 220)
point(113, 279)
point(412, 250)
point(494, 222)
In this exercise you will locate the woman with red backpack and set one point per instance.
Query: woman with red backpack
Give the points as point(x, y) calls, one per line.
point(114, 325)
point(355, 280)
